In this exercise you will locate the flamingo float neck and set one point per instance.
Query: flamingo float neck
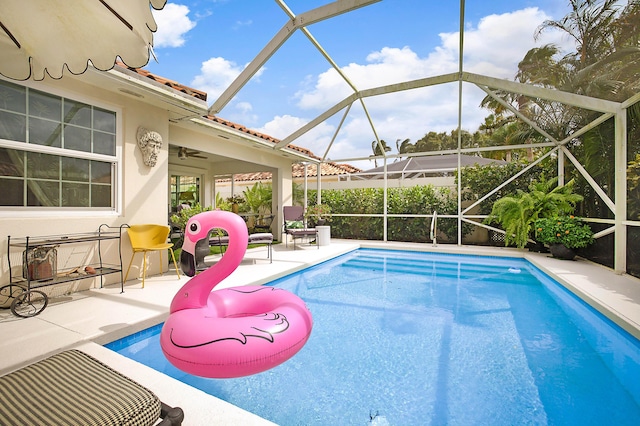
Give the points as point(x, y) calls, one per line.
point(195, 292)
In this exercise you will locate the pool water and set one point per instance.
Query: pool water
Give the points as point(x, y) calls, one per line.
point(408, 338)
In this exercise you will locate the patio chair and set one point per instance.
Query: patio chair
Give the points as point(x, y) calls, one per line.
point(295, 226)
point(73, 388)
point(146, 238)
point(263, 224)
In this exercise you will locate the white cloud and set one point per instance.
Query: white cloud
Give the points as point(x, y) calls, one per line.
point(316, 140)
point(240, 24)
point(173, 23)
point(216, 74)
point(244, 107)
point(493, 48)
point(501, 40)
point(282, 125)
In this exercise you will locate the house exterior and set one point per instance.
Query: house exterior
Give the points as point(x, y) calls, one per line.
point(99, 148)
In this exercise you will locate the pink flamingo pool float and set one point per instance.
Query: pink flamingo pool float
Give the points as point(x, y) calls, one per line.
point(232, 332)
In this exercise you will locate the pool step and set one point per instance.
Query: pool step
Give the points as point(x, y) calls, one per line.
point(440, 269)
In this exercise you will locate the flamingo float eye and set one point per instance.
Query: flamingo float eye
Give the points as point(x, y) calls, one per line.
point(195, 227)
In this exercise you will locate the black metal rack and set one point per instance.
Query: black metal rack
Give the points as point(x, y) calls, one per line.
point(22, 287)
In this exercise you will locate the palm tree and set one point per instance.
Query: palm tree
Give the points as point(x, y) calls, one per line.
point(405, 146)
point(379, 148)
point(589, 24)
point(606, 65)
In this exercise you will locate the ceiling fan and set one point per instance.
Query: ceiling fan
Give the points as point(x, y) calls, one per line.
point(184, 153)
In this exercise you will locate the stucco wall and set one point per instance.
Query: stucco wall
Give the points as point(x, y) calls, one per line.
point(142, 190)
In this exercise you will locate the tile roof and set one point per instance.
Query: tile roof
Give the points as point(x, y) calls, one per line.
point(297, 171)
point(328, 169)
point(241, 128)
point(198, 94)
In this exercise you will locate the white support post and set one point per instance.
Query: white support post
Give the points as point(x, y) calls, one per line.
point(560, 167)
point(306, 186)
point(385, 203)
point(620, 240)
point(318, 183)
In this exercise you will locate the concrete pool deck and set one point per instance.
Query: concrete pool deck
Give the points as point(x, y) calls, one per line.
point(89, 319)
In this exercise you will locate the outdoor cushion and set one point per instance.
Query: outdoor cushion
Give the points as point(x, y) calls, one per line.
point(294, 224)
point(73, 388)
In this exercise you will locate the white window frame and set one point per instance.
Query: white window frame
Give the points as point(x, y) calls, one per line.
point(117, 184)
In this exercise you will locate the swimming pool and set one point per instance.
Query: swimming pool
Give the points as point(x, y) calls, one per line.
point(407, 338)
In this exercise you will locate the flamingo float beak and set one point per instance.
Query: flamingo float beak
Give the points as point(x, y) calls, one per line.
point(188, 257)
point(188, 263)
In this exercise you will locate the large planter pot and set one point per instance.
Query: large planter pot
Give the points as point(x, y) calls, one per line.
point(324, 235)
point(559, 251)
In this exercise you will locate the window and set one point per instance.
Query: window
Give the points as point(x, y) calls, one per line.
point(55, 152)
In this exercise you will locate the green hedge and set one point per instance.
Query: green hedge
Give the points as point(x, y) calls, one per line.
point(421, 199)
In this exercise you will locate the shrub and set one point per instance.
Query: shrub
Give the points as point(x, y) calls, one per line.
point(569, 231)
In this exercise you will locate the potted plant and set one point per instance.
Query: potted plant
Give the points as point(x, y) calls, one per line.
point(235, 201)
point(319, 214)
point(518, 213)
point(563, 234)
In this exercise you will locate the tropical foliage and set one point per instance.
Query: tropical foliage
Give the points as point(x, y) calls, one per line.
point(236, 199)
point(478, 181)
point(257, 198)
point(379, 148)
point(633, 187)
point(517, 214)
point(605, 65)
point(181, 218)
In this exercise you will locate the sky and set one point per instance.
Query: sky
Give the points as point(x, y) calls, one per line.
point(205, 44)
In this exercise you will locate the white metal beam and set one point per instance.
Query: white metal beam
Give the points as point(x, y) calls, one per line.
point(567, 98)
point(398, 87)
point(517, 113)
point(311, 17)
point(590, 180)
point(335, 134)
point(316, 121)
